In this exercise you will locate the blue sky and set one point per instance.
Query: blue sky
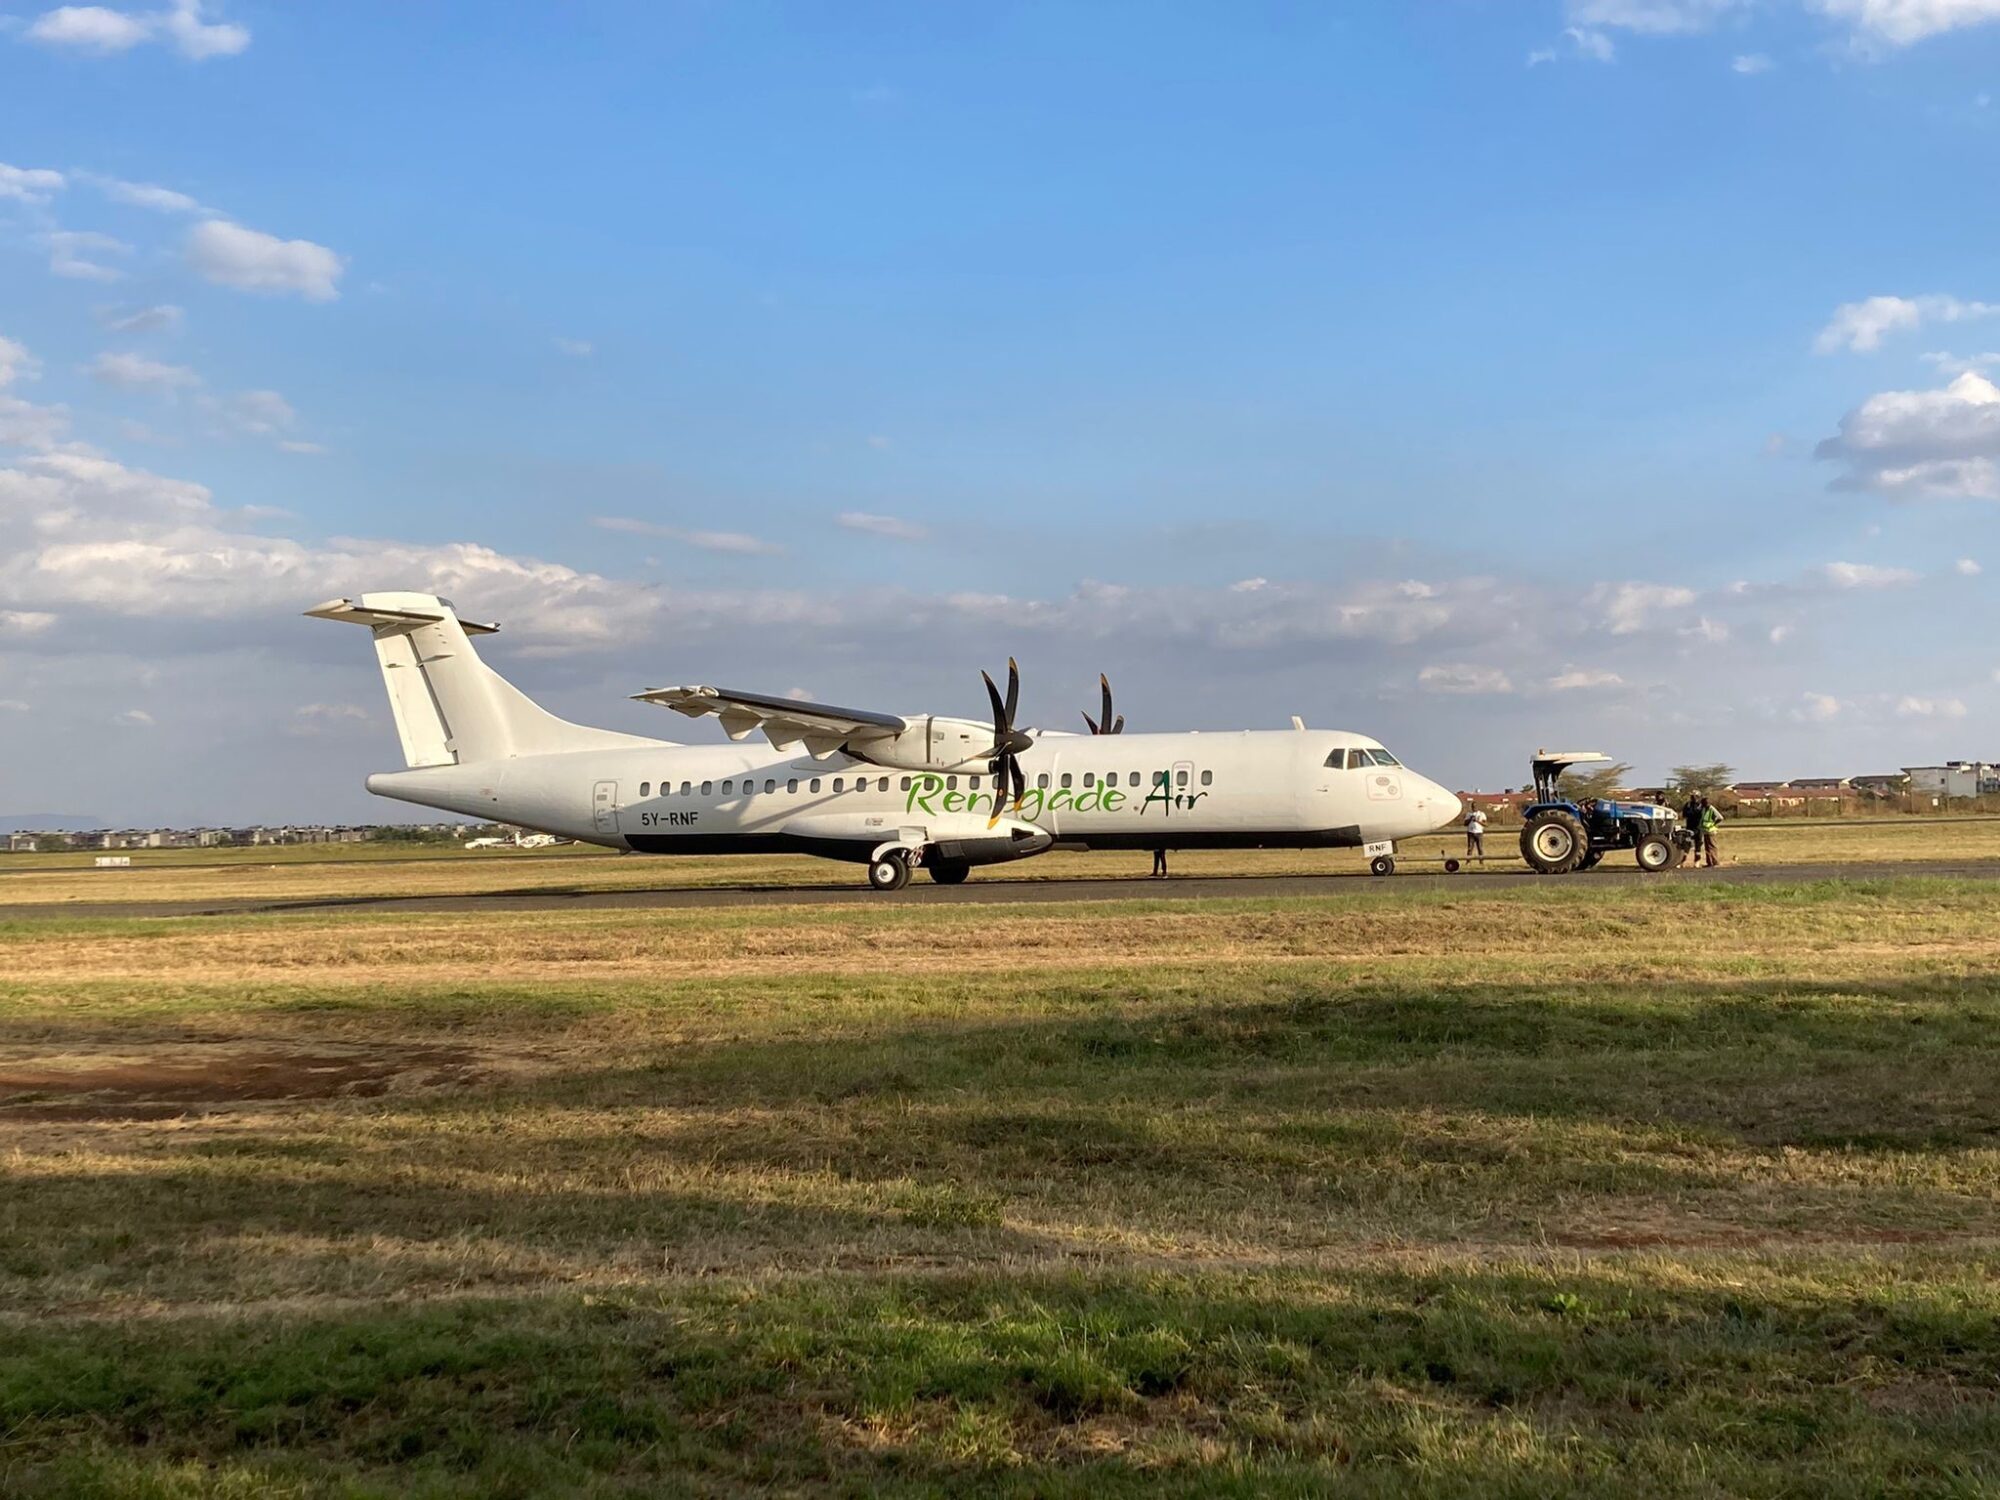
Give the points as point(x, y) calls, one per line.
point(1478, 375)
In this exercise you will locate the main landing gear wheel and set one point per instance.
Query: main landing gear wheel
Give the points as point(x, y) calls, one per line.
point(1554, 842)
point(1382, 864)
point(949, 871)
point(1656, 853)
point(891, 872)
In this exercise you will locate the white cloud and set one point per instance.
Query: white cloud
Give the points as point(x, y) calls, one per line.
point(1708, 632)
point(1929, 708)
point(101, 30)
point(299, 445)
point(13, 705)
point(70, 251)
point(32, 185)
point(1463, 677)
point(1749, 64)
point(163, 200)
point(576, 348)
point(894, 527)
point(136, 718)
point(1820, 708)
point(90, 28)
point(1627, 608)
point(1898, 23)
point(25, 621)
point(1958, 364)
point(260, 412)
point(162, 317)
point(1249, 585)
point(26, 425)
point(253, 261)
point(321, 718)
point(1849, 575)
point(1967, 567)
point(1779, 634)
point(1582, 42)
point(1861, 326)
point(1573, 679)
point(135, 372)
point(1939, 442)
point(708, 541)
point(16, 363)
point(1653, 17)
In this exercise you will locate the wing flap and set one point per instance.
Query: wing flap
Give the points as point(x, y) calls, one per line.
point(822, 727)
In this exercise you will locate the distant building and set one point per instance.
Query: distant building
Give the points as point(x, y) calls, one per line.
point(1955, 778)
point(1823, 786)
point(1762, 788)
point(1882, 784)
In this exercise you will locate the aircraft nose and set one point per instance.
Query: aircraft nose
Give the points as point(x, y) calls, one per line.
point(1448, 806)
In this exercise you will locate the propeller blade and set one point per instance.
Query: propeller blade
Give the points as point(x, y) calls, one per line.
point(1000, 716)
point(1119, 727)
point(1013, 690)
point(1093, 725)
point(1104, 717)
point(1020, 782)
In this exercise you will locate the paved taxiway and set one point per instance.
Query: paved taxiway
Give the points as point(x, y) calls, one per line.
point(1010, 892)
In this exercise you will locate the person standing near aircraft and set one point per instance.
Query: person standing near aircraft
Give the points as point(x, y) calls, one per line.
point(1159, 862)
point(1475, 833)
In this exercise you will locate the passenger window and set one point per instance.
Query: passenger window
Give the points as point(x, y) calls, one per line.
point(1180, 778)
point(1159, 778)
point(814, 785)
point(792, 785)
point(839, 784)
point(1065, 778)
point(728, 787)
point(1042, 781)
point(1090, 778)
point(686, 787)
point(972, 783)
point(1133, 779)
point(906, 783)
point(884, 786)
point(1208, 778)
point(645, 789)
point(951, 783)
point(770, 785)
point(707, 787)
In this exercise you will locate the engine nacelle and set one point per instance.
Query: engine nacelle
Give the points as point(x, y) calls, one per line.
point(968, 838)
point(931, 743)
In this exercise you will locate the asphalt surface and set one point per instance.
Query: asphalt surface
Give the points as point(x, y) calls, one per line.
point(1009, 892)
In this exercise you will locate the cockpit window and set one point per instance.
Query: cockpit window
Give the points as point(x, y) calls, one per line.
point(1383, 758)
point(1337, 761)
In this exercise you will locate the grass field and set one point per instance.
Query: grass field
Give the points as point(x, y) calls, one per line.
point(1502, 1188)
point(288, 873)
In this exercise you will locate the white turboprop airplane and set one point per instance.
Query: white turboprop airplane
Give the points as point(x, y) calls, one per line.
point(890, 791)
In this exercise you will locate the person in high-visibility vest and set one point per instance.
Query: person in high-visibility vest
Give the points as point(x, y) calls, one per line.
point(1710, 821)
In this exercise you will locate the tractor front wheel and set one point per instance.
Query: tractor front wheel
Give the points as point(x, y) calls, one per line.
point(1554, 842)
point(1656, 853)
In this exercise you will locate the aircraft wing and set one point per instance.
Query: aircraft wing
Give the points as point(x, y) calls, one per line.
point(820, 727)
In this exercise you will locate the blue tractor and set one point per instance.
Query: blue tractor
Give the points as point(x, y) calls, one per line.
point(1560, 834)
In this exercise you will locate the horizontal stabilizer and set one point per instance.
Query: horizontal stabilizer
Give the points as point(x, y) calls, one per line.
point(375, 615)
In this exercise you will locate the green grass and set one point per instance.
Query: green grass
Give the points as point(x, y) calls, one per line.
point(1684, 1190)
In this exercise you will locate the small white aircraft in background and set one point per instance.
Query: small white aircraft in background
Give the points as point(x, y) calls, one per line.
point(894, 792)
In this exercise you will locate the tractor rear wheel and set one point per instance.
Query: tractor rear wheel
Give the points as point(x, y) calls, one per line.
point(1554, 842)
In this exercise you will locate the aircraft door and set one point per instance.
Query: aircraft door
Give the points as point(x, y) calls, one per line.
point(604, 807)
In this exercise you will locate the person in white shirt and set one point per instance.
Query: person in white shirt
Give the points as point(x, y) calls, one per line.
point(1475, 834)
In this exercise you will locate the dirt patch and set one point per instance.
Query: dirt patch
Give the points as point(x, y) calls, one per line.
point(171, 1079)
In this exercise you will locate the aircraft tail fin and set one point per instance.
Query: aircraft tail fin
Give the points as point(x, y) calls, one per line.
point(450, 707)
